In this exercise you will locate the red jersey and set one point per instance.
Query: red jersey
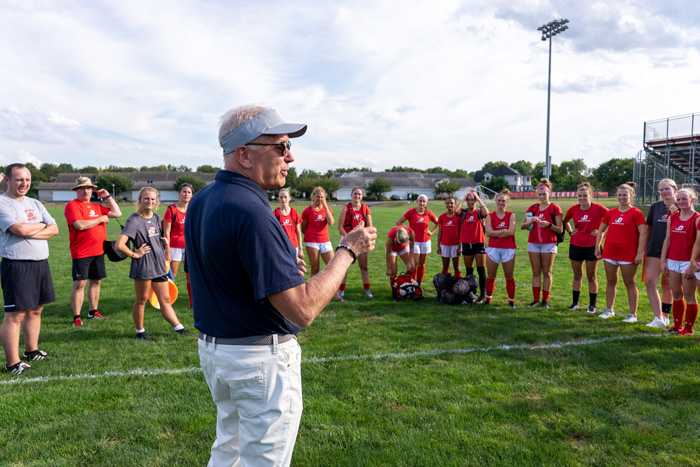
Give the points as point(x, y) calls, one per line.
point(450, 229)
point(622, 238)
point(392, 236)
point(85, 243)
point(683, 235)
point(501, 224)
point(420, 223)
point(316, 225)
point(585, 222)
point(353, 218)
point(289, 224)
point(177, 227)
point(540, 234)
point(472, 229)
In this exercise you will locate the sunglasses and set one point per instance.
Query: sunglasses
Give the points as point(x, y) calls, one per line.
point(283, 147)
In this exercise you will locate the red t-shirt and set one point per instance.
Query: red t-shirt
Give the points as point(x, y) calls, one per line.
point(85, 243)
point(392, 236)
point(622, 238)
point(316, 225)
point(177, 229)
point(683, 235)
point(420, 223)
point(501, 224)
point(585, 222)
point(540, 234)
point(472, 230)
point(353, 218)
point(289, 224)
point(450, 229)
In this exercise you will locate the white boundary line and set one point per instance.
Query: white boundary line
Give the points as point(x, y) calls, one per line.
point(424, 353)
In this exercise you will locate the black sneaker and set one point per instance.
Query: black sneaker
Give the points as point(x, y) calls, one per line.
point(487, 302)
point(18, 368)
point(143, 336)
point(184, 332)
point(534, 304)
point(574, 307)
point(511, 304)
point(481, 299)
point(34, 355)
point(544, 304)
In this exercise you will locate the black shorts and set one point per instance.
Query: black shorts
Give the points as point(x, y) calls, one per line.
point(582, 253)
point(92, 268)
point(471, 249)
point(26, 284)
point(160, 279)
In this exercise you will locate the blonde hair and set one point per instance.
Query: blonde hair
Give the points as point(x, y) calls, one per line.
point(668, 182)
point(285, 190)
point(401, 236)
point(585, 186)
point(545, 182)
point(692, 193)
point(142, 191)
point(629, 186)
point(317, 190)
point(505, 192)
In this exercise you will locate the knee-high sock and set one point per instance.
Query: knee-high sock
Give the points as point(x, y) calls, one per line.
point(510, 288)
point(536, 294)
point(678, 311)
point(470, 271)
point(691, 314)
point(420, 272)
point(481, 271)
point(545, 295)
point(490, 285)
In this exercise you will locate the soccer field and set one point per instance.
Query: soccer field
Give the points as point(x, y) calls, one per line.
point(385, 383)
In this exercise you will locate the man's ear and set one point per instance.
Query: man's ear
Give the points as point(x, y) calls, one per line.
point(243, 157)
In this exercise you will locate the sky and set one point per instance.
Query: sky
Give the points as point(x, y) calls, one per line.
point(379, 83)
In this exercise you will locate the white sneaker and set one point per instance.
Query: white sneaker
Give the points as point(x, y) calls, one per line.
point(667, 322)
point(607, 314)
point(657, 323)
point(630, 318)
point(369, 293)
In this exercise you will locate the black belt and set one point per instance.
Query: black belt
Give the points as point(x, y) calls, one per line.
point(250, 340)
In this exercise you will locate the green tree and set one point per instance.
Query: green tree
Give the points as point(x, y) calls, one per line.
point(88, 169)
point(570, 173)
point(378, 187)
point(66, 168)
point(292, 177)
point(115, 168)
point(155, 168)
point(330, 184)
point(183, 168)
point(37, 177)
point(615, 172)
point(197, 184)
point(121, 183)
point(522, 166)
point(398, 168)
point(447, 186)
point(492, 165)
point(208, 169)
point(49, 170)
point(496, 184)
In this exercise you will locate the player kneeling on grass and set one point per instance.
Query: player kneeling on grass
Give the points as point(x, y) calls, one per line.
point(624, 250)
point(148, 259)
point(500, 228)
point(448, 238)
point(681, 237)
point(399, 242)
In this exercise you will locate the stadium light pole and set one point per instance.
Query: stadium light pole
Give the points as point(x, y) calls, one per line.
point(550, 30)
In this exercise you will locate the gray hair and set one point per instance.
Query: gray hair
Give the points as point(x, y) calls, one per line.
point(234, 118)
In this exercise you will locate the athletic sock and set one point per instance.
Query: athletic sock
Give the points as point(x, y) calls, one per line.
point(458, 273)
point(342, 287)
point(666, 308)
point(490, 286)
point(545, 295)
point(139, 331)
point(481, 271)
point(365, 285)
point(678, 311)
point(420, 272)
point(178, 327)
point(691, 314)
point(510, 288)
point(75, 317)
point(536, 294)
point(189, 293)
point(576, 294)
point(470, 271)
point(592, 298)
point(445, 271)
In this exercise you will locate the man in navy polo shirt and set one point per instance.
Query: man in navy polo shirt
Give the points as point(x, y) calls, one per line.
point(249, 297)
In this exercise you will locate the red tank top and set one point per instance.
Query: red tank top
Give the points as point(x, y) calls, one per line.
point(501, 224)
point(471, 230)
point(683, 235)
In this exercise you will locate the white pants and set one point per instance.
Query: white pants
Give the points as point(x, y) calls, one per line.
point(257, 392)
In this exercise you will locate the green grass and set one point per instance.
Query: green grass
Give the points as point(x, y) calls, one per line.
point(385, 383)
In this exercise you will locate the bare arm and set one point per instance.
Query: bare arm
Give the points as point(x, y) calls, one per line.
point(301, 304)
point(167, 230)
point(138, 253)
point(27, 230)
point(46, 233)
point(114, 210)
point(401, 220)
point(300, 248)
point(87, 224)
point(599, 239)
point(341, 227)
point(329, 215)
point(641, 244)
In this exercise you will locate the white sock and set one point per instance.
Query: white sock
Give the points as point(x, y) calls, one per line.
point(178, 327)
point(139, 331)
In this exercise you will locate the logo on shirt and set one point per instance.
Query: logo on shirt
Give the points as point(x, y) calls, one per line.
point(319, 218)
point(584, 218)
point(286, 222)
point(29, 212)
point(449, 223)
point(92, 213)
point(664, 218)
point(356, 217)
point(421, 220)
point(679, 229)
point(471, 218)
point(618, 221)
point(151, 231)
point(541, 216)
point(502, 224)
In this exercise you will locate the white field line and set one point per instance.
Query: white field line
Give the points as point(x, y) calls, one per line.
point(424, 353)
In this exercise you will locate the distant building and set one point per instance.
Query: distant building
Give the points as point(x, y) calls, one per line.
point(402, 183)
point(517, 181)
point(60, 190)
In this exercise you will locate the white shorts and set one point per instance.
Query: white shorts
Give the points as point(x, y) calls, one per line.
point(406, 249)
point(542, 248)
point(617, 263)
point(322, 247)
point(678, 266)
point(422, 248)
point(449, 251)
point(501, 255)
point(177, 254)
